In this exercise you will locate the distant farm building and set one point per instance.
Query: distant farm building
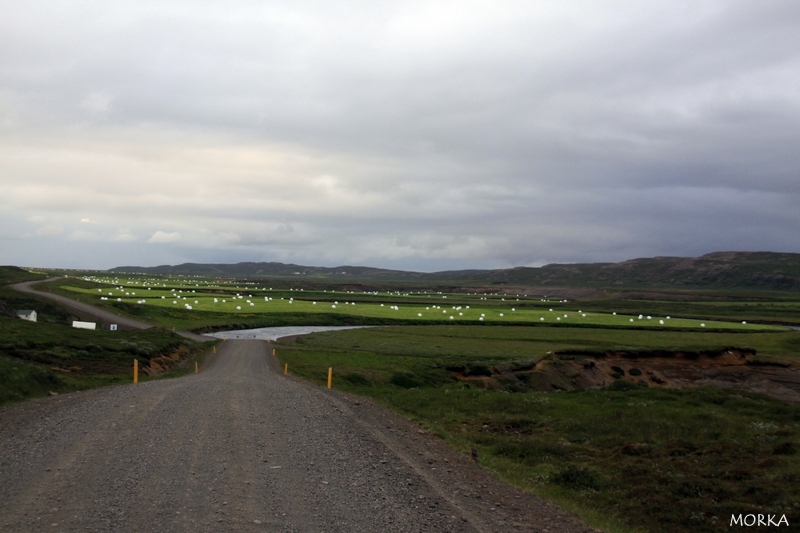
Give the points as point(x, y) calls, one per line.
point(27, 314)
point(83, 325)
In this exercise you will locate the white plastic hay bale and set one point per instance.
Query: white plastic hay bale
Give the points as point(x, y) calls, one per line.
point(513, 309)
point(661, 322)
point(744, 322)
point(333, 306)
point(238, 307)
point(481, 319)
point(558, 318)
point(451, 317)
point(541, 319)
point(419, 314)
point(702, 325)
point(460, 314)
point(313, 303)
point(631, 320)
point(501, 314)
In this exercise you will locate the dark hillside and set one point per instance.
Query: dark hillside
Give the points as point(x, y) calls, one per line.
point(740, 270)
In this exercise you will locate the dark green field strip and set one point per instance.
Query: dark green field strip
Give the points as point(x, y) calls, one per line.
point(535, 341)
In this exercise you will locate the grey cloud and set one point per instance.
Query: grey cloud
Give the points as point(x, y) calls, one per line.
point(402, 133)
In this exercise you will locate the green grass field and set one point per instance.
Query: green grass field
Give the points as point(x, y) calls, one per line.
point(626, 458)
point(172, 303)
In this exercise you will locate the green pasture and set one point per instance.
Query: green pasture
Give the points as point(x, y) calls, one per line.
point(765, 307)
point(400, 307)
point(626, 458)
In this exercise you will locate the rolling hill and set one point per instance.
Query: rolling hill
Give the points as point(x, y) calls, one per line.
point(746, 270)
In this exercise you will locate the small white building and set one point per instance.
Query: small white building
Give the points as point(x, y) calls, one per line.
point(27, 314)
point(84, 325)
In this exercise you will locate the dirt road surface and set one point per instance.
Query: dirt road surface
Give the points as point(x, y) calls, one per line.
point(241, 447)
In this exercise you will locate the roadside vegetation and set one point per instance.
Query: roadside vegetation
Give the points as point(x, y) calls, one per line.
point(625, 457)
point(49, 356)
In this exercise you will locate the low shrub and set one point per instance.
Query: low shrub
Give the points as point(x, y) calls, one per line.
point(576, 478)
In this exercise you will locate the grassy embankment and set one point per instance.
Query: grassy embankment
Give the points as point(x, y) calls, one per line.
point(51, 356)
point(626, 458)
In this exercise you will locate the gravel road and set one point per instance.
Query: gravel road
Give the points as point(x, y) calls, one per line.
point(241, 447)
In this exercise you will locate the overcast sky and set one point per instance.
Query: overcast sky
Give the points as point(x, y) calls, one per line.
point(413, 135)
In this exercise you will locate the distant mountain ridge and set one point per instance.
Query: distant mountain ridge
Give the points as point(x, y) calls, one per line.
point(756, 270)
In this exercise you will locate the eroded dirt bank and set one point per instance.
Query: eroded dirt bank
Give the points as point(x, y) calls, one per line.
point(733, 368)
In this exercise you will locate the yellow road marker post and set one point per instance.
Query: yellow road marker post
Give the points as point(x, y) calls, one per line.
point(215, 349)
point(285, 369)
point(330, 377)
point(273, 351)
point(195, 367)
point(136, 371)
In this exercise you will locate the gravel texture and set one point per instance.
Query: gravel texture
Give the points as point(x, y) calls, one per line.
point(241, 447)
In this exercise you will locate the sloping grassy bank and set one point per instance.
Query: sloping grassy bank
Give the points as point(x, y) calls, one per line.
point(38, 358)
point(49, 356)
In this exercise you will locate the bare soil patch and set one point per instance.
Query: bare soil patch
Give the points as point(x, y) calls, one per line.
point(731, 368)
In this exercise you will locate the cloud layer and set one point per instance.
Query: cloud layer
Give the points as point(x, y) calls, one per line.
point(422, 135)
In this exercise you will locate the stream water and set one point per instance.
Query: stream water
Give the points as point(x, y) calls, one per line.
point(276, 332)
